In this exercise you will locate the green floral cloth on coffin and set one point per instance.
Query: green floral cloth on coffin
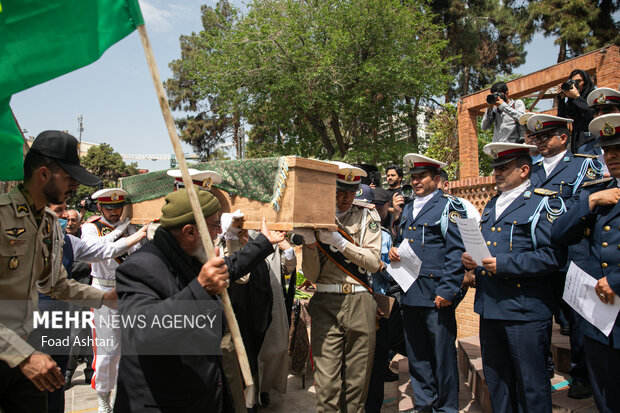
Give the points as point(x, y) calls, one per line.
point(249, 178)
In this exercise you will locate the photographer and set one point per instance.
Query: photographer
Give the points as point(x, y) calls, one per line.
point(503, 113)
point(572, 104)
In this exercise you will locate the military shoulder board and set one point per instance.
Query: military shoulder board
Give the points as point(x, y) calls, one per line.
point(596, 182)
point(585, 155)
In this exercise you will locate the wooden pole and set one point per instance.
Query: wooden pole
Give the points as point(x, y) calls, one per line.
point(193, 197)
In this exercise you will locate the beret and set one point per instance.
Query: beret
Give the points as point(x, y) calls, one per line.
point(178, 210)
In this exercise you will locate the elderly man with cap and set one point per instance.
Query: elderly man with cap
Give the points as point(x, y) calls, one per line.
point(343, 309)
point(428, 224)
point(596, 214)
point(167, 272)
point(110, 202)
point(561, 171)
point(30, 260)
point(513, 290)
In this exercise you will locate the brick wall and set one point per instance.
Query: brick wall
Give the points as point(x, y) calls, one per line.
point(478, 191)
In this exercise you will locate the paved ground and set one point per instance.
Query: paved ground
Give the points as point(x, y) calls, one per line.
point(81, 398)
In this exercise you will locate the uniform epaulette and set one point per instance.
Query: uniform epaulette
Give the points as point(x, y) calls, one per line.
point(449, 196)
point(585, 155)
point(545, 192)
point(596, 181)
point(93, 218)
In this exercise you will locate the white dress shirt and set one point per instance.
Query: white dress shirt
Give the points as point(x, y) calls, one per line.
point(550, 163)
point(507, 197)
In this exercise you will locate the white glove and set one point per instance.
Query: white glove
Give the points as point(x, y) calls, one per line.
point(333, 238)
point(228, 231)
point(120, 228)
point(307, 234)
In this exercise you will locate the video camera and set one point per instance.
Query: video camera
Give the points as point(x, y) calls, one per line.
point(374, 178)
point(89, 204)
point(493, 97)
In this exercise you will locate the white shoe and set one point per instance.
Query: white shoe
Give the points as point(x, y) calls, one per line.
point(103, 403)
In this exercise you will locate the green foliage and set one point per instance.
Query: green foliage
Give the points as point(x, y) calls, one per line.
point(579, 26)
point(443, 141)
point(487, 37)
point(317, 79)
point(108, 165)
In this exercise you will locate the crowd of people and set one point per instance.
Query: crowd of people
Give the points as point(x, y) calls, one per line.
point(557, 204)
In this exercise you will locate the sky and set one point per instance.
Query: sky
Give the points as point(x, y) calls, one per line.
point(116, 96)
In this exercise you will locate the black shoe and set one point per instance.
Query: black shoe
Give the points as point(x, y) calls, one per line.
point(390, 376)
point(68, 377)
point(88, 375)
point(579, 390)
point(565, 330)
point(264, 399)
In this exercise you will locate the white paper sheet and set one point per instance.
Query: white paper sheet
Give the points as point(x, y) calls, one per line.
point(474, 242)
point(405, 271)
point(579, 293)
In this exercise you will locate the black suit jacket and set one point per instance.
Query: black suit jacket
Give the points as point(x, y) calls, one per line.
point(171, 383)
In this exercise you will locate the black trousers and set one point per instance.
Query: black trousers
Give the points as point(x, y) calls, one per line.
point(18, 394)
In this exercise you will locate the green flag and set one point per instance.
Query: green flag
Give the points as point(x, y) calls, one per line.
point(43, 39)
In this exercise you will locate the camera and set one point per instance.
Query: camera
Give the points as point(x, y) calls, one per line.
point(407, 193)
point(375, 178)
point(493, 97)
point(89, 204)
point(568, 85)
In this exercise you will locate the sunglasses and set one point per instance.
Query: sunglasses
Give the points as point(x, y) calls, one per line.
point(543, 137)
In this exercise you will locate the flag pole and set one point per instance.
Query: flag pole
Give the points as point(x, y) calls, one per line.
point(193, 197)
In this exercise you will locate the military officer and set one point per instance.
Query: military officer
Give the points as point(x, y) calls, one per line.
point(31, 243)
point(596, 214)
point(428, 223)
point(343, 309)
point(202, 179)
point(110, 202)
point(513, 292)
point(560, 170)
point(602, 101)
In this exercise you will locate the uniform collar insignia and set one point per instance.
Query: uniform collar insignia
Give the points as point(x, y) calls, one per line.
point(566, 159)
point(527, 194)
point(22, 208)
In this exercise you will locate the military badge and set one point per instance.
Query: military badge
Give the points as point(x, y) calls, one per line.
point(538, 125)
point(494, 154)
point(22, 208)
point(359, 192)
point(46, 231)
point(373, 226)
point(601, 99)
point(566, 159)
point(105, 231)
point(114, 197)
point(13, 263)
point(207, 183)
point(608, 129)
point(15, 232)
point(550, 218)
point(453, 216)
point(349, 177)
point(544, 192)
point(527, 194)
point(590, 173)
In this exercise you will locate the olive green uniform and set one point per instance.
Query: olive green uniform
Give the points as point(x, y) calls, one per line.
point(30, 260)
point(344, 324)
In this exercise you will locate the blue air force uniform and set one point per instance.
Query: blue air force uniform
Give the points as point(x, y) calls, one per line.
point(515, 304)
point(568, 175)
point(601, 230)
point(430, 333)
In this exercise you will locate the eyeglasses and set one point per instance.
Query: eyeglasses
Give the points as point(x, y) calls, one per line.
point(543, 137)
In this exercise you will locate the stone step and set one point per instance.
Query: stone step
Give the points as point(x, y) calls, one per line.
point(470, 367)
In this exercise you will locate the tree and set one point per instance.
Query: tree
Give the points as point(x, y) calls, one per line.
point(322, 79)
point(102, 161)
point(579, 26)
point(487, 36)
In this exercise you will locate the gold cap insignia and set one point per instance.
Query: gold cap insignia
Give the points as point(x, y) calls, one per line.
point(349, 177)
point(494, 154)
point(538, 125)
point(114, 197)
point(601, 99)
point(608, 129)
point(207, 183)
point(13, 263)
